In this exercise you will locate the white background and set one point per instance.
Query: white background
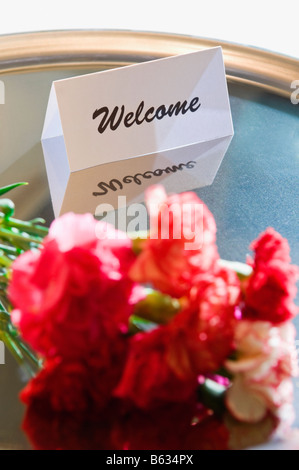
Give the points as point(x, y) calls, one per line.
point(268, 24)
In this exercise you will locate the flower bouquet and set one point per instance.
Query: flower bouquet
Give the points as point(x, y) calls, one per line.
point(148, 340)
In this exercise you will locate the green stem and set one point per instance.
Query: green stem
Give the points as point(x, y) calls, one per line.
point(21, 352)
point(4, 260)
point(4, 318)
point(10, 250)
point(3, 302)
point(26, 227)
point(16, 237)
point(3, 312)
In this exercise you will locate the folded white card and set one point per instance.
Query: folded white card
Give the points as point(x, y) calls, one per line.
point(116, 132)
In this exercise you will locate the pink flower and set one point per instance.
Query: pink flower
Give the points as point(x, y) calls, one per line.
point(64, 294)
point(181, 246)
point(271, 289)
point(266, 359)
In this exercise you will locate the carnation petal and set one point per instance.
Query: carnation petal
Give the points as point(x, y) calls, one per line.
point(71, 230)
point(242, 404)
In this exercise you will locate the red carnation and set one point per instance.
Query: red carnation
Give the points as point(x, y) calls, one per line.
point(271, 289)
point(181, 246)
point(64, 294)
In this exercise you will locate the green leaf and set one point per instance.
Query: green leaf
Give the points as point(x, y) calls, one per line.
point(6, 189)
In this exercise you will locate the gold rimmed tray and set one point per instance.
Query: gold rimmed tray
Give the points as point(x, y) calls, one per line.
point(83, 49)
point(256, 186)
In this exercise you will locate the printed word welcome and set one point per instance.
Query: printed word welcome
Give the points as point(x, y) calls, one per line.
point(117, 116)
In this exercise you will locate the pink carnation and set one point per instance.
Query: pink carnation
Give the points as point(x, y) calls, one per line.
point(266, 360)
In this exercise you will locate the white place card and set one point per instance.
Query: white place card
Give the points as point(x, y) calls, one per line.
point(116, 132)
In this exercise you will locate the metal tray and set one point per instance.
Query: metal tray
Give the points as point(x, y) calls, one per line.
point(256, 186)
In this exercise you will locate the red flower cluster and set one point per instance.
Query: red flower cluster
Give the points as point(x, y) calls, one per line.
point(75, 304)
